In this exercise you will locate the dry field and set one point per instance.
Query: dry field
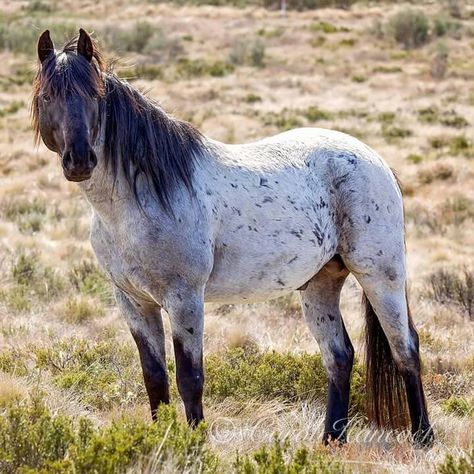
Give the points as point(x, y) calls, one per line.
point(238, 74)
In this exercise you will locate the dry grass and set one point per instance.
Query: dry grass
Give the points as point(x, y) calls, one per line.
point(241, 74)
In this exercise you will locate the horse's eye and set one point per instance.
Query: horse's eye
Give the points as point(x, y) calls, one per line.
point(46, 98)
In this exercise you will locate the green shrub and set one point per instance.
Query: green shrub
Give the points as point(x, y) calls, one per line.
point(278, 458)
point(428, 114)
point(392, 132)
point(188, 68)
point(461, 465)
point(252, 98)
point(32, 439)
point(12, 108)
point(453, 119)
point(284, 120)
point(134, 39)
point(78, 310)
point(409, 27)
point(30, 282)
point(458, 406)
point(387, 69)
point(325, 27)
point(314, 114)
point(250, 53)
point(87, 278)
point(101, 374)
point(414, 158)
point(28, 214)
point(244, 373)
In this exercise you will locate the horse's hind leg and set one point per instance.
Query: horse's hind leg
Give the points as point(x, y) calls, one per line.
point(392, 341)
point(320, 303)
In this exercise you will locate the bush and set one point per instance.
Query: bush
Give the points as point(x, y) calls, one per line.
point(88, 279)
point(409, 27)
point(392, 132)
point(101, 374)
point(190, 68)
point(30, 282)
point(461, 465)
point(244, 373)
point(250, 53)
point(458, 406)
point(32, 439)
point(28, 214)
point(453, 287)
point(80, 310)
point(277, 458)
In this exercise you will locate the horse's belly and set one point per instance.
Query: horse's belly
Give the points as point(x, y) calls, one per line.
point(256, 268)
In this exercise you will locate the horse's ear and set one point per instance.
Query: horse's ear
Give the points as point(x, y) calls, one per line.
point(85, 46)
point(45, 46)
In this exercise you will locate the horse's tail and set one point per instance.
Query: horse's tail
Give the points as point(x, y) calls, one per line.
point(385, 389)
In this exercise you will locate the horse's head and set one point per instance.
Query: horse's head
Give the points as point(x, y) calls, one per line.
point(68, 91)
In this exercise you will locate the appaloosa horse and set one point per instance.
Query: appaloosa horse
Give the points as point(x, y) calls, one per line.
point(180, 219)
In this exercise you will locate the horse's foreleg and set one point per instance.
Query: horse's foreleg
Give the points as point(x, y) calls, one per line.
point(186, 310)
point(146, 325)
point(320, 303)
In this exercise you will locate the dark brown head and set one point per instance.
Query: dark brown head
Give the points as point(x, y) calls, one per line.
point(68, 91)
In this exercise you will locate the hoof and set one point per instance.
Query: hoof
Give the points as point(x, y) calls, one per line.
point(335, 438)
point(424, 438)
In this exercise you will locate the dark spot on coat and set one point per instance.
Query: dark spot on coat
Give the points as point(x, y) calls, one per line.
point(380, 253)
point(367, 219)
point(190, 330)
point(263, 182)
point(331, 317)
point(293, 259)
point(391, 274)
point(280, 282)
point(296, 233)
point(267, 199)
point(234, 185)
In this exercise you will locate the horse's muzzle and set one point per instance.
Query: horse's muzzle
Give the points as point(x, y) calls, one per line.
point(78, 167)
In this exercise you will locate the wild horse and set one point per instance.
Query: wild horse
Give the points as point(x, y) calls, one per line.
point(180, 219)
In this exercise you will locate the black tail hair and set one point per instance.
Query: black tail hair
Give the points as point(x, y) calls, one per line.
point(385, 389)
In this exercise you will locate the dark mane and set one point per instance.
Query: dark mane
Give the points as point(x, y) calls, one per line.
point(140, 137)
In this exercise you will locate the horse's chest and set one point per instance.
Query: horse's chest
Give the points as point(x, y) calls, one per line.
point(120, 260)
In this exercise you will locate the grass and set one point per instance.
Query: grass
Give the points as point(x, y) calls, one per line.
point(62, 337)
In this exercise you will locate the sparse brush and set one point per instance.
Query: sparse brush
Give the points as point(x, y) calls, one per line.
point(88, 279)
point(250, 53)
point(279, 457)
point(454, 287)
point(409, 27)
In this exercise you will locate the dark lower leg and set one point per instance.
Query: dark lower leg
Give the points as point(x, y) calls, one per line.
point(190, 380)
point(154, 374)
point(338, 395)
point(421, 428)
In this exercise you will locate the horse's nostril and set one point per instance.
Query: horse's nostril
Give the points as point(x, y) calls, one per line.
point(67, 160)
point(92, 159)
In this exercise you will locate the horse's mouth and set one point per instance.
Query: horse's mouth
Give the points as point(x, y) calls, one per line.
point(76, 178)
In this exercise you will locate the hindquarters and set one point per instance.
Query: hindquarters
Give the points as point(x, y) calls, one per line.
point(373, 249)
